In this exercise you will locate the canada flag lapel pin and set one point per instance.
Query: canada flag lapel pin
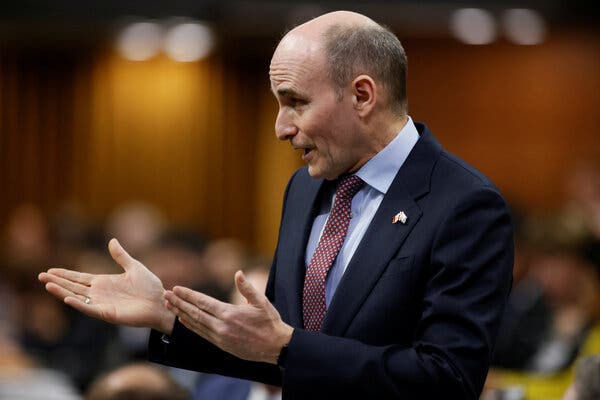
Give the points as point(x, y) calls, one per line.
point(400, 217)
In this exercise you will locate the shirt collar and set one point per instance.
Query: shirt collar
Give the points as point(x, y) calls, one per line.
point(379, 172)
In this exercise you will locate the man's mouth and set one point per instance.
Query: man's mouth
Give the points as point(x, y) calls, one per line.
point(307, 153)
point(307, 150)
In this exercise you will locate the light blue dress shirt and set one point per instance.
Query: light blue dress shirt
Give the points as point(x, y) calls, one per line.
point(378, 174)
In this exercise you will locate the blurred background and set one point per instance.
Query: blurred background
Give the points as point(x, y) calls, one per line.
point(153, 122)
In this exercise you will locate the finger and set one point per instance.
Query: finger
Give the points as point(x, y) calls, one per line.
point(89, 309)
point(246, 289)
point(61, 292)
point(197, 322)
point(198, 328)
point(68, 274)
point(74, 287)
point(200, 300)
point(118, 253)
point(190, 310)
point(182, 315)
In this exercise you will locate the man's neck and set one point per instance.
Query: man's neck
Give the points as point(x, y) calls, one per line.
point(386, 130)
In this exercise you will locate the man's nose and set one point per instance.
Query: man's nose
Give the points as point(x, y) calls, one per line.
point(284, 127)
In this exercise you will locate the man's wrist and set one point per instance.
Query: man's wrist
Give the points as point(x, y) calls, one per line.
point(167, 323)
point(282, 345)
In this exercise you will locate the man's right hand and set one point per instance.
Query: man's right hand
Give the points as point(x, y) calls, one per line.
point(134, 297)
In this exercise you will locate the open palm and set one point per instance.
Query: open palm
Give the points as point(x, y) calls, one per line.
point(134, 297)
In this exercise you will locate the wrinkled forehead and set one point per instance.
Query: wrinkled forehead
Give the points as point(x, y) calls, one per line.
point(295, 54)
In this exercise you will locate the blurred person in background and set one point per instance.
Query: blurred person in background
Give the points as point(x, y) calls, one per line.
point(586, 385)
point(528, 316)
point(25, 375)
point(138, 225)
point(178, 258)
point(583, 193)
point(73, 232)
point(222, 258)
point(48, 332)
point(57, 338)
point(137, 381)
point(218, 387)
point(22, 378)
point(27, 237)
point(568, 282)
point(563, 265)
point(420, 287)
point(561, 273)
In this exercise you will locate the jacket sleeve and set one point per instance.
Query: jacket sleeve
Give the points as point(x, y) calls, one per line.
point(467, 282)
point(184, 349)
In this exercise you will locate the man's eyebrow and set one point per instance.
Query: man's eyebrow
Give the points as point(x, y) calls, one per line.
point(287, 92)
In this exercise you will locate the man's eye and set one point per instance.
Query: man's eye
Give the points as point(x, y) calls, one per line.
point(297, 102)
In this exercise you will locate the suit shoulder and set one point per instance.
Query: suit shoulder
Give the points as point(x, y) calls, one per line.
point(459, 184)
point(461, 174)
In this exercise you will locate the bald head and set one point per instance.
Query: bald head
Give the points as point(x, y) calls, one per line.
point(138, 381)
point(348, 44)
point(319, 25)
point(309, 35)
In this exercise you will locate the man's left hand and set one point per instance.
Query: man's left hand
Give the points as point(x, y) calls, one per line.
point(252, 331)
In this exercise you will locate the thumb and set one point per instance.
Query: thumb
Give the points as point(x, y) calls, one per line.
point(118, 253)
point(247, 290)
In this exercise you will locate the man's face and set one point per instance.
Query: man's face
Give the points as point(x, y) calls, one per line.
point(311, 116)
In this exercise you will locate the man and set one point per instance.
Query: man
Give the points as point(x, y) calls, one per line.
point(586, 384)
point(393, 262)
point(137, 381)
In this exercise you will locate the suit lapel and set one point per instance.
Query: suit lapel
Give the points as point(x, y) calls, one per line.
point(383, 238)
point(307, 203)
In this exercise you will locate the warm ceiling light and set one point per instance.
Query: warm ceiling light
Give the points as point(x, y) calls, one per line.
point(524, 26)
point(190, 41)
point(473, 26)
point(140, 41)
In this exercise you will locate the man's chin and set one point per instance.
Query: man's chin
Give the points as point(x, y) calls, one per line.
point(317, 173)
point(314, 173)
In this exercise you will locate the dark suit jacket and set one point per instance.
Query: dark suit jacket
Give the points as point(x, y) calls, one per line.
point(416, 313)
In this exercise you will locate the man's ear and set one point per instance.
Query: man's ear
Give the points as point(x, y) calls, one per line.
point(364, 93)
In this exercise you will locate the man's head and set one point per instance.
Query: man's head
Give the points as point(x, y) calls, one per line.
point(138, 381)
point(340, 83)
point(370, 49)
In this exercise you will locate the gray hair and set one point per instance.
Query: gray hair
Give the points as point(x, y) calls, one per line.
point(372, 50)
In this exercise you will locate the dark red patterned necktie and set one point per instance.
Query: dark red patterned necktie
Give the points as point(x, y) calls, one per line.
point(330, 243)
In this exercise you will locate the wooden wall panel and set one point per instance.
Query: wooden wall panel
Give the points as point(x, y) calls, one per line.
point(524, 115)
point(197, 139)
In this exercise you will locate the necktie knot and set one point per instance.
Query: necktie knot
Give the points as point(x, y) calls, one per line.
point(348, 186)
